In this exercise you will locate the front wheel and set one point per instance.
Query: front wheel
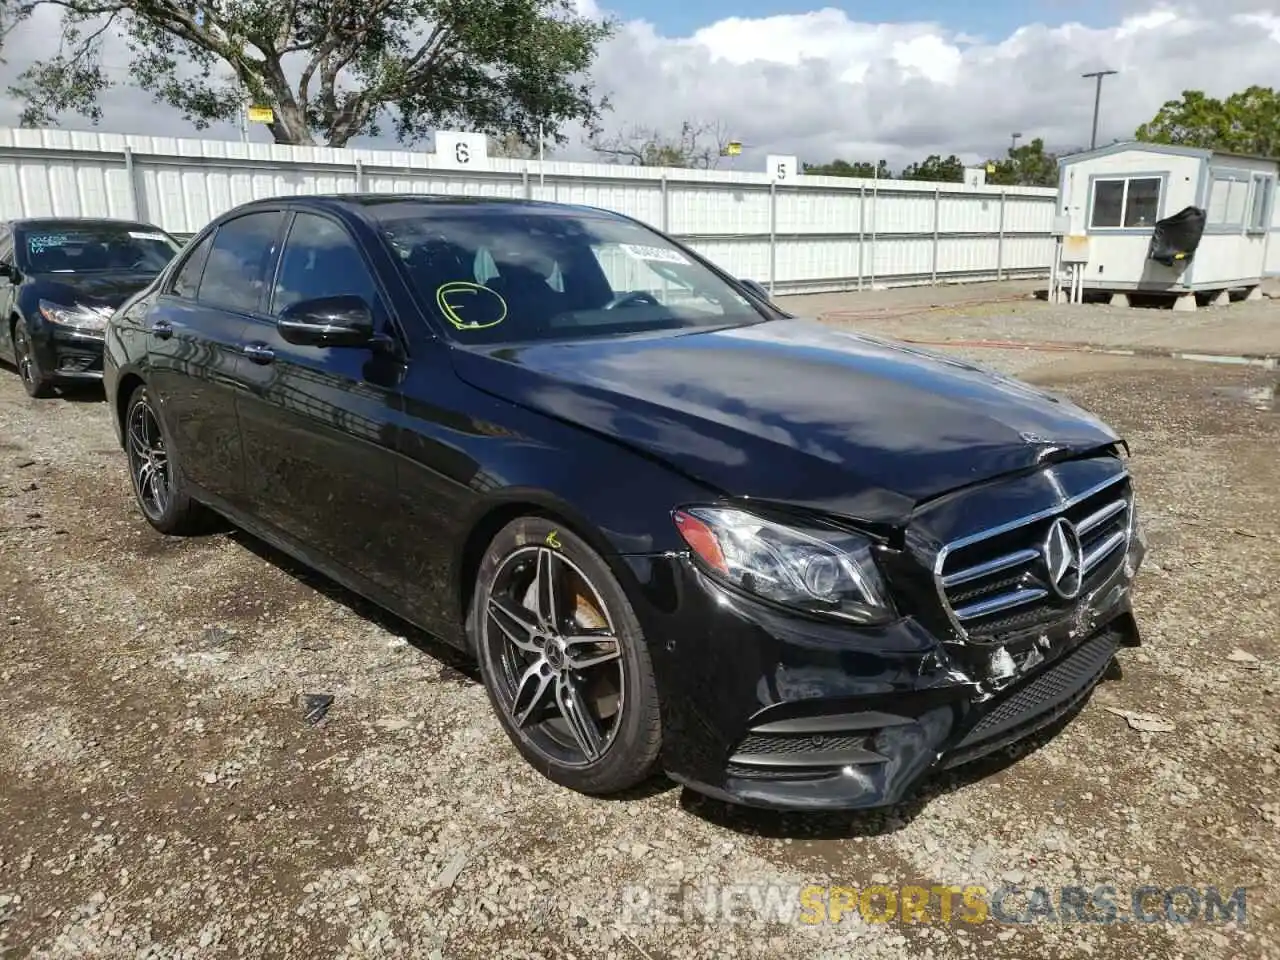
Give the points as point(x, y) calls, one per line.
point(157, 484)
point(35, 381)
point(564, 660)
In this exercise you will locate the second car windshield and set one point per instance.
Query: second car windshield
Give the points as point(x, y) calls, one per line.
point(502, 276)
point(77, 248)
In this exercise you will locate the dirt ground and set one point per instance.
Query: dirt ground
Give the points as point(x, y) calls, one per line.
point(164, 794)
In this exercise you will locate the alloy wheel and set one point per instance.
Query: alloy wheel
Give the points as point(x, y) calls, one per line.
point(148, 459)
point(22, 353)
point(558, 654)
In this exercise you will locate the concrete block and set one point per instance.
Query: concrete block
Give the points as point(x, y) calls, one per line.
point(1221, 299)
point(1119, 300)
point(1185, 303)
point(1255, 293)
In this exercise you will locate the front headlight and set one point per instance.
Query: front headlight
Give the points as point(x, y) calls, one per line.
point(820, 571)
point(77, 316)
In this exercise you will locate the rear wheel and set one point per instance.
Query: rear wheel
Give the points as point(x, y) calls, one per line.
point(35, 381)
point(564, 659)
point(157, 484)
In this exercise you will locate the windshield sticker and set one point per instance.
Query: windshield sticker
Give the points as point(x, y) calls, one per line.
point(40, 242)
point(148, 235)
point(469, 306)
point(657, 254)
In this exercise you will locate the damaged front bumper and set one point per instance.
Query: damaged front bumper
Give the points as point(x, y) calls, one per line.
point(768, 709)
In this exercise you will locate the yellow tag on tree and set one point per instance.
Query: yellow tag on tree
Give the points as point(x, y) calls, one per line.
point(261, 115)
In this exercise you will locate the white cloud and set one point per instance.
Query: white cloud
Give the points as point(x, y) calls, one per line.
point(822, 85)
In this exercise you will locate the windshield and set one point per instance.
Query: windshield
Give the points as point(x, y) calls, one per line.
point(512, 276)
point(94, 248)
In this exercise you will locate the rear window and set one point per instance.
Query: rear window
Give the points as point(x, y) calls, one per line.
point(97, 248)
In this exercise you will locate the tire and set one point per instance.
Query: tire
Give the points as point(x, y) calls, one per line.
point(153, 470)
point(618, 692)
point(35, 381)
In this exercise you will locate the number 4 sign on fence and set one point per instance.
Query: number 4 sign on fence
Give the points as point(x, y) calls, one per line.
point(782, 169)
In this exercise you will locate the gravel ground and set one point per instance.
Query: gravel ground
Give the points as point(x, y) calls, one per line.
point(1247, 327)
point(163, 793)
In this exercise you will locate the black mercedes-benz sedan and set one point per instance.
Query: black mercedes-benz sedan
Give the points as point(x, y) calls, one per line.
point(60, 278)
point(792, 565)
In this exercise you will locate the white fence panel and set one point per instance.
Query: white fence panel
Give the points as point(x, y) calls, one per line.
point(814, 234)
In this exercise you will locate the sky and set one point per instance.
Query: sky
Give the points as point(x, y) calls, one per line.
point(994, 17)
point(898, 79)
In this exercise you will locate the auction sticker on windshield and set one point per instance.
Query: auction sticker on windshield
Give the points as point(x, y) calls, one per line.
point(147, 235)
point(38, 243)
point(657, 254)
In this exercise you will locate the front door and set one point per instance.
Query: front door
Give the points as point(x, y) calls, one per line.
point(317, 423)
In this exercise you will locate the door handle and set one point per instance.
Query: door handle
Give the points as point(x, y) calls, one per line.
point(259, 352)
point(162, 329)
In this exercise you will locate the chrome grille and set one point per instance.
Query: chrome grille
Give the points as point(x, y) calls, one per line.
point(998, 582)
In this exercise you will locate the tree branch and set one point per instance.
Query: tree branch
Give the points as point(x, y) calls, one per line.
point(494, 65)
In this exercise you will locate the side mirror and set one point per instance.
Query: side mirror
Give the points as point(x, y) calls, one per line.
point(756, 289)
point(342, 321)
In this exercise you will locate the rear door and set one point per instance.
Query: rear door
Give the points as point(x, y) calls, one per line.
point(317, 422)
point(195, 338)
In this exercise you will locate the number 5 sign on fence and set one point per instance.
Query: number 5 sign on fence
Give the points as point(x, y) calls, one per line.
point(782, 169)
point(462, 151)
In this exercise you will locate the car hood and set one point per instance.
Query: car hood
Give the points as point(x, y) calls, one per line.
point(92, 289)
point(795, 411)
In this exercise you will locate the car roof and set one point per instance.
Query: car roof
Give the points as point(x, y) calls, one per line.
point(367, 206)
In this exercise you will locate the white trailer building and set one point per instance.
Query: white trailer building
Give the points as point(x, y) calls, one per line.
point(1111, 198)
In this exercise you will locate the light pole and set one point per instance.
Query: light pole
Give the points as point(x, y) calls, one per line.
point(1014, 138)
point(542, 176)
point(1097, 101)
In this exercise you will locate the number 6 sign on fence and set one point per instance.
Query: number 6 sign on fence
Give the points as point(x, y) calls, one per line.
point(462, 151)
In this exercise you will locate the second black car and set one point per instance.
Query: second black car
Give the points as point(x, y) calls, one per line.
point(60, 279)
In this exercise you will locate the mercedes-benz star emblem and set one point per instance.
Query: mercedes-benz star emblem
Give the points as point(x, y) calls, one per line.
point(1063, 557)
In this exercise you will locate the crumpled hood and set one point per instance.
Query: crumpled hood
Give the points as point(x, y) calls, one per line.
point(794, 411)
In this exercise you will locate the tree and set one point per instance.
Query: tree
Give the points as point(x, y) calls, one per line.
point(331, 69)
point(698, 145)
point(842, 168)
point(511, 146)
point(1026, 166)
point(1246, 122)
point(933, 167)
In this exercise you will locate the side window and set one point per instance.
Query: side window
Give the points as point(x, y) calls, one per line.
point(1227, 194)
point(1108, 203)
point(320, 260)
point(1142, 202)
point(186, 282)
point(240, 261)
point(6, 245)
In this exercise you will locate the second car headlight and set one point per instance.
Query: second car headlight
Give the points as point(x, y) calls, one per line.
point(821, 571)
point(77, 316)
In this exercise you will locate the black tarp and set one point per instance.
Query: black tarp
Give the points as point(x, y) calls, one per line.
point(1176, 238)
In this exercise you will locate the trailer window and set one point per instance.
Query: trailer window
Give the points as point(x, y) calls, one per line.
point(1125, 202)
point(1260, 204)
